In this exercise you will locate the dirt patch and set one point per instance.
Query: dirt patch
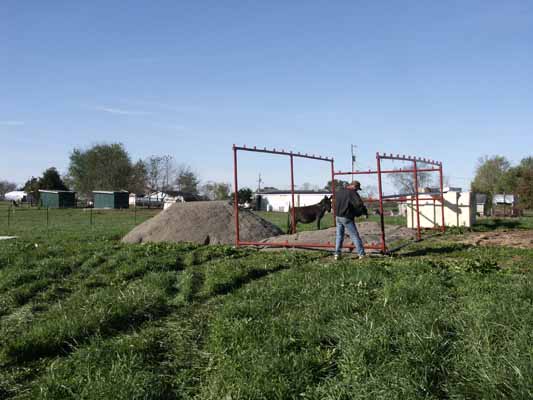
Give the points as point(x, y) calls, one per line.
point(515, 238)
point(202, 222)
point(370, 232)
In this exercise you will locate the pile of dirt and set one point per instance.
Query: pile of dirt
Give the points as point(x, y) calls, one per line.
point(370, 232)
point(202, 222)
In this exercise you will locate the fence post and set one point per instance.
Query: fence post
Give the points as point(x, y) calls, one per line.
point(47, 217)
point(8, 216)
point(91, 216)
point(135, 215)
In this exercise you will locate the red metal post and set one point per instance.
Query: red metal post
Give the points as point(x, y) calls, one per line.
point(293, 211)
point(443, 226)
point(236, 197)
point(380, 192)
point(415, 175)
point(333, 204)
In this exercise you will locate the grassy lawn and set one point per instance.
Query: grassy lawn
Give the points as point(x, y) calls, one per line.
point(83, 316)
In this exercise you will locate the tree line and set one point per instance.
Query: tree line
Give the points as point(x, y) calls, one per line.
point(110, 167)
point(496, 175)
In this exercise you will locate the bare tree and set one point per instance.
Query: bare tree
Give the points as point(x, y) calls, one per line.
point(370, 191)
point(6, 187)
point(161, 172)
point(168, 171)
point(405, 182)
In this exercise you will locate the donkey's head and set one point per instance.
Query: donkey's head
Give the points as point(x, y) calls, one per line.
point(326, 203)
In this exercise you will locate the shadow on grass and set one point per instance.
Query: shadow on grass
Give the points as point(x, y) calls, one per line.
point(426, 251)
point(496, 223)
point(237, 283)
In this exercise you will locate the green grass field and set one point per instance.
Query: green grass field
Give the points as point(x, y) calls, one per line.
point(83, 316)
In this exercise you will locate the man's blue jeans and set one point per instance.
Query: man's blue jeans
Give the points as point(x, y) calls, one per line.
point(349, 225)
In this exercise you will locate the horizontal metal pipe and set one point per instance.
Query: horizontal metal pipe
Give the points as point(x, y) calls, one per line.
point(299, 244)
point(398, 200)
point(390, 171)
point(404, 158)
point(282, 152)
point(394, 196)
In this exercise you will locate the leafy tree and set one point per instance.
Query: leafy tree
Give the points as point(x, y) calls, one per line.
point(222, 191)
point(244, 195)
point(339, 184)
point(215, 190)
point(187, 180)
point(6, 187)
point(524, 182)
point(492, 176)
point(138, 178)
point(32, 187)
point(524, 189)
point(51, 180)
point(103, 167)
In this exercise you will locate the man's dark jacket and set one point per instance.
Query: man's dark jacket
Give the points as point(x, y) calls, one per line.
point(349, 204)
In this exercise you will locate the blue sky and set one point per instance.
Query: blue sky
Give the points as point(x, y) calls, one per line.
point(449, 80)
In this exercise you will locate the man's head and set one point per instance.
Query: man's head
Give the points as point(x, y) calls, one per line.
point(354, 185)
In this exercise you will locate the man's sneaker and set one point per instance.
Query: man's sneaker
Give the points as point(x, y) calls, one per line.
point(362, 256)
point(336, 257)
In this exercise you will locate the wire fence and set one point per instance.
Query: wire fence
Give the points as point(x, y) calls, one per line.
point(16, 220)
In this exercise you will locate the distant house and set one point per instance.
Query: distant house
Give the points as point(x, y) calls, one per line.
point(158, 199)
point(481, 204)
point(280, 200)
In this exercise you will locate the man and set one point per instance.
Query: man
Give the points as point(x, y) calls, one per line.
point(348, 206)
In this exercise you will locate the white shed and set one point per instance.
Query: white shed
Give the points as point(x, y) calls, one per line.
point(459, 209)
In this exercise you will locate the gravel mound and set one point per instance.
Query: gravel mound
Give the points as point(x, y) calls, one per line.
point(203, 222)
point(370, 232)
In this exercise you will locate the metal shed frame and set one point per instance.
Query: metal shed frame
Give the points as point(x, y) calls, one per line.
point(382, 245)
point(436, 166)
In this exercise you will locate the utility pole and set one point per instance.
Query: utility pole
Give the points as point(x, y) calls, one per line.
point(354, 149)
point(259, 181)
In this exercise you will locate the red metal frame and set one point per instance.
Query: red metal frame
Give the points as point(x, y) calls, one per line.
point(382, 246)
point(402, 198)
point(291, 155)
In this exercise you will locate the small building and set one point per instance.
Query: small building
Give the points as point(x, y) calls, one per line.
point(57, 198)
point(280, 200)
point(163, 199)
point(505, 205)
point(481, 204)
point(111, 199)
point(459, 209)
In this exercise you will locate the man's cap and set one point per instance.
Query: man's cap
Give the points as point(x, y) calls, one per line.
point(356, 184)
